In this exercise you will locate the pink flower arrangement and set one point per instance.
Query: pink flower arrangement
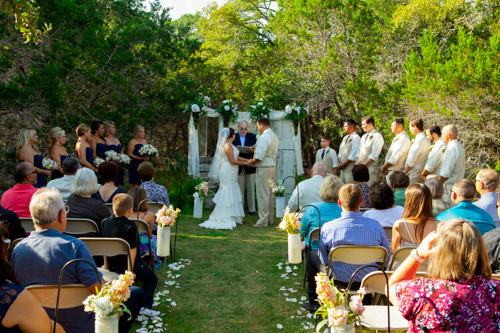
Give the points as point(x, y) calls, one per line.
point(166, 216)
point(290, 222)
point(49, 164)
point(336, 307)
point(201, 189)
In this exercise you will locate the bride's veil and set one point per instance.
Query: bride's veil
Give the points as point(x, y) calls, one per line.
point(213, 172)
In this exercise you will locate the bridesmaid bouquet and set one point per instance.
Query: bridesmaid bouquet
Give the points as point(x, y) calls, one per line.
point(148, 150)
point(98, 162)
point(290, 222)
point(49, 164)
point(124, 159)
point(112, 155)
point(336, 307)
point(109, 300)
point(166, 216)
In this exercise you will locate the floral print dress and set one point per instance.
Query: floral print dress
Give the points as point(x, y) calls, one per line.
point(466, 305)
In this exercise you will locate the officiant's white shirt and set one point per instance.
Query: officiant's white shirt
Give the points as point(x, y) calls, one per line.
point(309, 191)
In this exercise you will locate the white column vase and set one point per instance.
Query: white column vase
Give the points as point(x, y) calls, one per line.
point(198, 208)
point(280, 206)
point(294, 251)
point(163, 242)
point(348, 328)
point(107, 324)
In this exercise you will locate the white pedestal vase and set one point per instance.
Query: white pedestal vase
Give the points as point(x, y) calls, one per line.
point(280, 206)
point(294, 250)
point(349, 328)
point(163, 242)
point(107, 324)
point(198, 208)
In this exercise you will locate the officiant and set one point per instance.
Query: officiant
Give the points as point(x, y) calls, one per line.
point(246, 174)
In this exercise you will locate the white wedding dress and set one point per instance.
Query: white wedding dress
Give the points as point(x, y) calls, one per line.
point(228, 209)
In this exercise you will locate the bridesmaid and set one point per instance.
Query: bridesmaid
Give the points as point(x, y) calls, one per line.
point(97, 141)
point(114, 144)
point(57, 152)
point(133, 152)
point(26, 152)
point(83, 149)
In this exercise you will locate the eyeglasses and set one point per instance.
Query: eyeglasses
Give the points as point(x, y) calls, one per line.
point(243, 129)
point(66, 209)
point(32, 172)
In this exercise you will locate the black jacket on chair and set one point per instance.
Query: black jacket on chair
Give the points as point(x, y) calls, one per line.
point(250, 140)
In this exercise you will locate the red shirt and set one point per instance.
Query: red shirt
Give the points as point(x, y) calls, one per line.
point(18, 199)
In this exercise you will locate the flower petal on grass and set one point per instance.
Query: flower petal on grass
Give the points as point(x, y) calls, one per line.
point(279, 326)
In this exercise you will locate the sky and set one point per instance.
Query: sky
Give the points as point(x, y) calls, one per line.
point(181, 7)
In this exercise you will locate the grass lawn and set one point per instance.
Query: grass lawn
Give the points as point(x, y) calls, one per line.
point(229, 281)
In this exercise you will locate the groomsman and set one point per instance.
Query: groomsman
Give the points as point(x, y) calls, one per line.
point(348, 151)
point(246, 174)
point(419, 150)
point(453, 162)
point(436, 151)
point(371, 145)
point(265, 161)
point(398, 151)
point(328, 156)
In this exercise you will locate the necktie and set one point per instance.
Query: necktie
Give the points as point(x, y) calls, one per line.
point(323, 154)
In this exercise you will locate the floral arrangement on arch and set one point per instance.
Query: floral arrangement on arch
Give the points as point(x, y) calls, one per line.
point(290, 222)
point(112, 155)
point(109, 300)
point(259, 110)
point(336, 307)
point(201, 190)
point(198, 107)
point(278, 189)
point(49, 164)
point(227, 110)
point(148, 150)
point(297, 114)
point(166, 217)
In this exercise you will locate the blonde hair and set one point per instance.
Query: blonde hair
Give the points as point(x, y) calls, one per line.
point(122, 202)
point(459, 252)
point(350, 197)
point(137, 129)
point(82, 129)
point(23, 137)
point(54, 133)
point(107, 125)
point(330, 189)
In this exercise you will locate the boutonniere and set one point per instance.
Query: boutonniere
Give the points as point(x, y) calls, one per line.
point(444, 148)
point(431, 147)
point(396, 138)
point(350, 139)
point(371, 137)
point(412, 140)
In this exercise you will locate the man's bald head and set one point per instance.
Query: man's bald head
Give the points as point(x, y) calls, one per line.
point(319, 168)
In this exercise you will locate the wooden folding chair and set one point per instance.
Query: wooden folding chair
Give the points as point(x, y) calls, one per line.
point(80, 227)
point(27, 223)
point(108, 246)
point(143, 226)
point(401, 254)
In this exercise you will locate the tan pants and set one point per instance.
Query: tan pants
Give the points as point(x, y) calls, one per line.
point(248, 181)
point(374, 170)
point(447, 194)
point(265, 201)
point(346, 174)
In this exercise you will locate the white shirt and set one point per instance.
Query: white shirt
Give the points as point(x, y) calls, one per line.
point(309, 191)
point(349, 148)
point(417, 156)
point(63, 185)
point(488, 202)
point(386, 217)
point(453, 162)
point(371, 146)
point(435, 156)
point(329, 159)
point(398, 151)
point(266, 149)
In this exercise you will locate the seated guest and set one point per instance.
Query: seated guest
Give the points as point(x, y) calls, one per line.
point(17, 199)
point(399, 182)
point(486, 185)
point(352, 228)
point(80, 202)
point(108, 171)
point(329, 210)
point(439, 205)
point(39, 258)
point(11, 221)
point(120, 226)
point(70, 166)
point(460, 295)
point(417, 220)
point(382, 200)
point(492, 242)
point(155, 192)
point(462, 195)
point(20, 310)
point(308, 191)
point(361, 176)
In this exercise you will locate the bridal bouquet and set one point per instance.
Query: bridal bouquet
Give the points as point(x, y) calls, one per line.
point(98, 161)
point(336, 307)
point(290, 222)
point(201, 190)
point(49, 164)
point(148, 150)
point(277, 189)
point(166, 216)
point(109, 300)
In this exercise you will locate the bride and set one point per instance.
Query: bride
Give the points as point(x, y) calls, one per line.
point(224, 169)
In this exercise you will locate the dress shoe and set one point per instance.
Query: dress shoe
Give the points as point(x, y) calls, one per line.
point(256, 226)
point(251, 213)
point(309, 306)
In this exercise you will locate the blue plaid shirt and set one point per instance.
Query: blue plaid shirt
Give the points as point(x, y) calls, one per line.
point(352, 228)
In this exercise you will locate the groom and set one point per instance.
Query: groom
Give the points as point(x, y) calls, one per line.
point(265, 161)
point(246, 174)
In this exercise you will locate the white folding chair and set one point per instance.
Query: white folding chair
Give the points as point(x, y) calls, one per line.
point(357, 255)
point(401, 254)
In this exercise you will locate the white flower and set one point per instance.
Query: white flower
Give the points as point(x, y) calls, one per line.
point(225, 101)
point(195, 108)
point(260, 103)
point(288, 109)
point(206, 99)
point(227, 107)
point(279, 326)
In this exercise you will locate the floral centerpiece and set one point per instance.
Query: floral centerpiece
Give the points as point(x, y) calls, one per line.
point(227, 110)
point(297, 114)
point(201, 190)
point(259, 110)
point(98, 161)
point(166, 218)
point(197, 107)
point(148, 150)
point(112, 155)
point(336, 307)
point(277, 189)
point(291, 224)
point(49, 164)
